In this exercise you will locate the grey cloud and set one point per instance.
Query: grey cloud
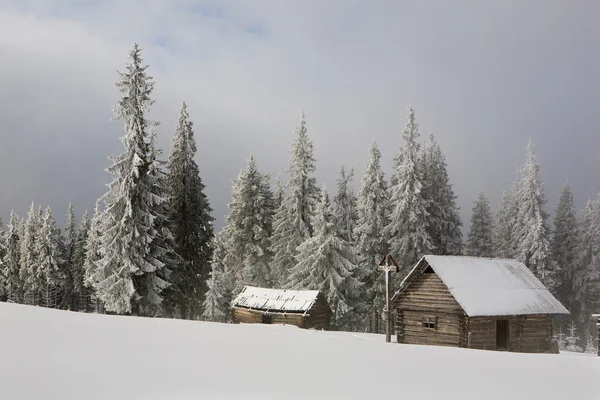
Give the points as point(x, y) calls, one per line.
point(483, 77)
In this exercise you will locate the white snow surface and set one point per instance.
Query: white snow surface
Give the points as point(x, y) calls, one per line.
point(488, 286)
point(276, 300)
point(58, 355)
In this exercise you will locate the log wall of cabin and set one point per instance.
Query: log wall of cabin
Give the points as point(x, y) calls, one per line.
point(428, 296)
point(247, 316)
point(319, 315)
point(526, 333)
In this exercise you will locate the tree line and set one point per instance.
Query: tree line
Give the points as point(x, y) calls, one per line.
point(150, 247)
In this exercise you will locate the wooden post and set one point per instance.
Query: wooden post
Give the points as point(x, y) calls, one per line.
point(388, 265)
point(388, 319)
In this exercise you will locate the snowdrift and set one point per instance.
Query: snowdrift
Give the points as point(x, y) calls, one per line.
point(50, 354)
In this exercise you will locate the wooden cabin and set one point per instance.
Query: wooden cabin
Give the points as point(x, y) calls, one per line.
point(302, 308)
point(478, 303)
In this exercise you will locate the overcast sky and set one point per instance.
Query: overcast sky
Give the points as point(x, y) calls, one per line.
point(483, 76)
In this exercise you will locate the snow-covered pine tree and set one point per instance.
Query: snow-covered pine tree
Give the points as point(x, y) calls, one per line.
point(93, 244)
point(371, 244)
point(326, 262)
point(590, 345)
point(3, 277)
point(218, 298)
point(293, 218)
point(50, 270)
point(10, 260)
point(278, 199)
point(133, 238)
point(344, 210)
point(443, 218)
point(249, 224)
point(503, 240)
point(28, 271)
point(68, 243)
point(80, 298)
point(564, 246)
point(480, 242)
point(408, 230)
point(190, 220)
point(531, 233)
point(587, 271)
point(572, 338)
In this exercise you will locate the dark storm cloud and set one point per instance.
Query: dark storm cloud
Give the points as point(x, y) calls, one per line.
point(482, 76)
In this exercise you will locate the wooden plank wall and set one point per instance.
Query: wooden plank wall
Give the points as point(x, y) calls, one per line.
point(526, 334)
point(246, 316)
point(427, 295)
point(319, 315)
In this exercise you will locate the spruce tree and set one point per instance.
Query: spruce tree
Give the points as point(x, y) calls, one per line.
point(69, 244)
point(131, 269)
point(11, 260)
point(587, 271)
point(250, 226)
point(480, 242)
point(81, 296)
point(190, 220)
point(3, 277)
point(293, 218)
point(531, 232)
point(443, 218)
point(564, 246)
point(371, 244)
point(344, 211)
point(93, 244)
point(326, 262)
point(408, 228)
point(217, 300)
point(50, 269)
point(28, 271)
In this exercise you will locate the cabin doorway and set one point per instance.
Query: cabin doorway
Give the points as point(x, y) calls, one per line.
point(501, 334)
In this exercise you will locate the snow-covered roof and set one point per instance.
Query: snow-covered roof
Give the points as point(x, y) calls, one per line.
point(490, 287)
point(276, 300)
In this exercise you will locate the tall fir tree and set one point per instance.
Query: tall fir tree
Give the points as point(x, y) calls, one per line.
point(50, 269)
point(564, 246)
point(504, 241)
point(28, 270)
point(11, 260)
point(443, 217)
point(326, 262)
point(191, 221)
point(131, 269)
point(480, 242)
point(531, 232)
point(69, 244)
point(344, 211)
point(371, 244)
point(408, 230)
point(218, 298)
point(293, 218)
point(3, 273)
point(81, 296)
point(587, 272)
point(278, 193)
point(250, 226)
point(93, 255)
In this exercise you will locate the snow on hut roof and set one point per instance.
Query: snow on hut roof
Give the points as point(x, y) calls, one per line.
point(491, 287)
point(276, 300)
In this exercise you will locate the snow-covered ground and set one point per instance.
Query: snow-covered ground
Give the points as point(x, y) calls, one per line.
point(49, 354)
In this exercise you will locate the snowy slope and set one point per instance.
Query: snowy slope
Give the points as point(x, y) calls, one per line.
point(49, 354)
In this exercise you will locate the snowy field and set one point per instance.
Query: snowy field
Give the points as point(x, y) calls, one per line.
point(50, 354)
